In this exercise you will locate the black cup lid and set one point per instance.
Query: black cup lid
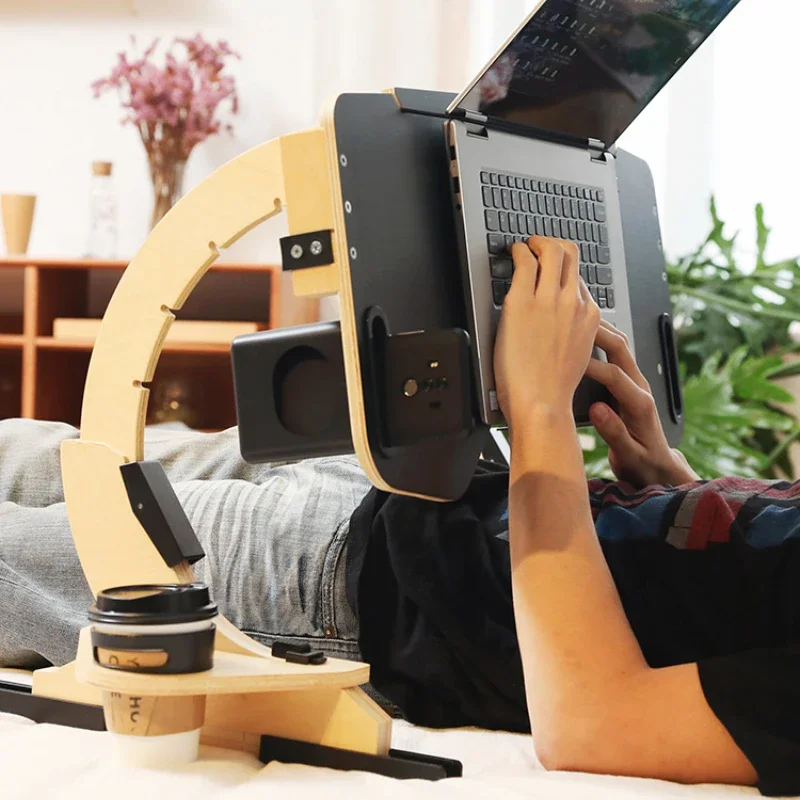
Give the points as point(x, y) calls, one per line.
point(153, 604)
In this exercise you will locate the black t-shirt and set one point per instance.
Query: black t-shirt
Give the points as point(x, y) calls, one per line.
point(707, 573)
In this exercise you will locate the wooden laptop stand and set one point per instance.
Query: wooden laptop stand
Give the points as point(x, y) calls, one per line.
point(249, 693)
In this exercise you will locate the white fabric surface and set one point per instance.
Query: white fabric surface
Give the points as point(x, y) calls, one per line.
point(47, 761)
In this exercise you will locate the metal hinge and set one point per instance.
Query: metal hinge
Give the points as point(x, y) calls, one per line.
point(476, 124)
point(474, 116)
point(597, 150)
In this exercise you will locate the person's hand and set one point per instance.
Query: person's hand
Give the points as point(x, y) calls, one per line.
point(546, 332)
point(639, 453)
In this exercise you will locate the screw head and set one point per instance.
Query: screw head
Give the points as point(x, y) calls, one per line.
point(664, 277)
point(296, 251)
point(410, 387)
point(315, 247)
point(353, 252)
point(343, 160)
point(348, 207)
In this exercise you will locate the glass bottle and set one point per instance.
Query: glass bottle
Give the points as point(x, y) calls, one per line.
point(102, 241)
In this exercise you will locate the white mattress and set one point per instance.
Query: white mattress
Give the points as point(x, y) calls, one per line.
point(47, 761)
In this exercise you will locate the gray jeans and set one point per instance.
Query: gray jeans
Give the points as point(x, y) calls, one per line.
point(275, 537)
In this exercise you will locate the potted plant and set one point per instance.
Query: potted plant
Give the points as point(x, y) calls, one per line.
point(734, 333)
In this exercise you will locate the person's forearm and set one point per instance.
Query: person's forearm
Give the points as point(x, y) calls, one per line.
point(575, 640)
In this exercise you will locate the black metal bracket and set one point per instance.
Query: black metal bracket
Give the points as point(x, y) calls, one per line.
point(398, 764)
point(20, 701)
point(156, 506)
point(305, 250)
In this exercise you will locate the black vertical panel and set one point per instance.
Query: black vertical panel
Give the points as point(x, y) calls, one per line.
point(397, 180)
point(647, 285)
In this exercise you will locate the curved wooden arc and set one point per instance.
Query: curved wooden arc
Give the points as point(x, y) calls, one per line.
point(290, 172)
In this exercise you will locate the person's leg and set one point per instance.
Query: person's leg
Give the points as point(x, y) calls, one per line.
point(275, 560)
point(30, 464)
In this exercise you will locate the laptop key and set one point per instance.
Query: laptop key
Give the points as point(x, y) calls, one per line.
point(599, 212)
point(604, 276)
point(603, 234)
point(503, 221)
point(593, 253)
point(497, 201)
point(506, 198)
point(509, 241)
point(526, 184)
point(515, 200)
point(502, 268)
point(487, 196)
point(549, 205)
point(484, 177)
point(601, 197)
point(593, 290)
point(498, 292)
point(495, 243)
point(610, 296)
point(522, 226)
point(591, 273)
point(548, 230)
point(584, 251)
point(523, 202)
point(530, 224)
point(584, 274)
point(501, 179)
point(540, 204)
point(558, 206)
point(573, 230)
point(520, 183)
point(603, 255)
point(601, 299)
point(493, 178)
point(582, 231)
point(492, 221)
point(595, 232)
point(539, 226)
point(512, 223)
point(573, 209)
point(549, 188)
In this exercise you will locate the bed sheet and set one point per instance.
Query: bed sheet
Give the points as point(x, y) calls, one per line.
point(47, 761)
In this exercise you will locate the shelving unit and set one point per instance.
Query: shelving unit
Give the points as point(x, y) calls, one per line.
point(42, 377)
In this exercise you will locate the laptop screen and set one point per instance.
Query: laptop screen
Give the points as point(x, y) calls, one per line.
point(587, 68)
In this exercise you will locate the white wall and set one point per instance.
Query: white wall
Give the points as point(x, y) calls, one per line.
point(729, 123)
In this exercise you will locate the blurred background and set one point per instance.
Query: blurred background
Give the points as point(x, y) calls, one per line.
point(726, 124)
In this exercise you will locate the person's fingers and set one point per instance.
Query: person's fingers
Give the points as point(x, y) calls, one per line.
point(526, 269)
point(633, 398)
point(618, 350)
point(608, 424)
point(570, 278)
point(550, 254)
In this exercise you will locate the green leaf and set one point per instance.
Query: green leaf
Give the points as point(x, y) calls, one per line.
point(762, 236)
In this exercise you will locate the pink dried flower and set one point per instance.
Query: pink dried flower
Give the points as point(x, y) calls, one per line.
point(175, 105)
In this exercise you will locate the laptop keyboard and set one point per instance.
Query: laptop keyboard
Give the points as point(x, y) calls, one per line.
point(517, 207)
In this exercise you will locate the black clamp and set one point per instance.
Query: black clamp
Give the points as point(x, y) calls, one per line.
point(156, 506)
point(296, 653)
point(306, 250)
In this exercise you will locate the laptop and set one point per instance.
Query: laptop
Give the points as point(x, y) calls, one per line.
point(532, 142)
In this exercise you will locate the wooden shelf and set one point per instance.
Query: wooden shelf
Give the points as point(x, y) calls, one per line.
point(48, 373)
point(119, 266)
point(209, 349)
point(11, 341)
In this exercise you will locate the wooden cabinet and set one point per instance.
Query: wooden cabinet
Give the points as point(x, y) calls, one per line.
point(42, 377)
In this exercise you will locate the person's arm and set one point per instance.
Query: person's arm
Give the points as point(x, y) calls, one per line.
point(594, 703)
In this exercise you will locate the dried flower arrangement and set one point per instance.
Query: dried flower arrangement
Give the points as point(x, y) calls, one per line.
point(174, 106)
